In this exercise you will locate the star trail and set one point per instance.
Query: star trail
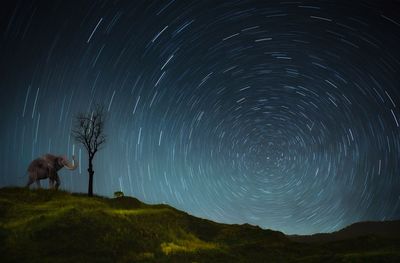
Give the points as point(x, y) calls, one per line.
point(278, 114)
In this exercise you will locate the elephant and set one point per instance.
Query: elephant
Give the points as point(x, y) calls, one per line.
point(47, 166)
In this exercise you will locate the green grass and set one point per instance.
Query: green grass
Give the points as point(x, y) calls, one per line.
point(57, 226)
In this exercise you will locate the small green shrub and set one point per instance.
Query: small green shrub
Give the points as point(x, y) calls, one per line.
point(118, 194)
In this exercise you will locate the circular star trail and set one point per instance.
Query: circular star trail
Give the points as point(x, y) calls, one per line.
point(278, 114)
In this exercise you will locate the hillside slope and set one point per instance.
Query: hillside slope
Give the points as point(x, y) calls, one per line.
point(50, 226)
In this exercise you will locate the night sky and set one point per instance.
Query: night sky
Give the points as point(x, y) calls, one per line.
point(282, 114)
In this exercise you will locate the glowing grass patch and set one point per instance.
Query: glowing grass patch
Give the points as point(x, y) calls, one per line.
point(41, 214)
point(186, 246)
point(124, 212)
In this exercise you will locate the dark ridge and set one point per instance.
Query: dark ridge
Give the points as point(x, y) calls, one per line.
point(385, 229)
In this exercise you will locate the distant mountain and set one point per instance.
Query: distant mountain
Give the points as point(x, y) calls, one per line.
point(384, 229)
point(56, 226)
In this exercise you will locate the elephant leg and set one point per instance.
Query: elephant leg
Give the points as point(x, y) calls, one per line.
point(38, 183)
point(32, 177)
point(57, 181)
point(51, 183)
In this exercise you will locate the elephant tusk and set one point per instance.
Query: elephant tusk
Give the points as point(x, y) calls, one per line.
point(70, 166)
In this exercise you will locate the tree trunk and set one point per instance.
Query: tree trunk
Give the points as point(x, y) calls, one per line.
point(91, 172)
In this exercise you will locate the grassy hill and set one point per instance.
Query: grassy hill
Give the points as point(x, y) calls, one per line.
point(56, 226)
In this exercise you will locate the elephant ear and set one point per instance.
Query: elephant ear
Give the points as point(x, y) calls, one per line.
point(49, 160)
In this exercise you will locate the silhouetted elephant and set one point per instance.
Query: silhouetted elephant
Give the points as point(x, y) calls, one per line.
point(47, 166)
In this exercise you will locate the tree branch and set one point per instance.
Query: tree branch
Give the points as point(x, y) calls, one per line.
point(89, 130)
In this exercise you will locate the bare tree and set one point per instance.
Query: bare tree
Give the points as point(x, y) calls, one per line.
point(89, 131)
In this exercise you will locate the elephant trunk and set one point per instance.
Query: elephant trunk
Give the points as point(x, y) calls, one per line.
point(71, 166)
